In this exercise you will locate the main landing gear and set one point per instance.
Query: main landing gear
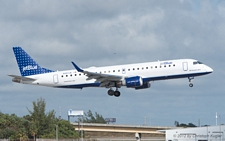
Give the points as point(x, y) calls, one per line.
point(111, 92)
point(190, 78)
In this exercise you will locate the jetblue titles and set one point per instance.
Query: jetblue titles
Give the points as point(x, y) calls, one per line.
point(29, 67)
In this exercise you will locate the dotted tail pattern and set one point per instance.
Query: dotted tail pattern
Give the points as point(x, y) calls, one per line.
point(26, 64)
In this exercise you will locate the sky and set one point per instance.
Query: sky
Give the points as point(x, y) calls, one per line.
point(106, 32)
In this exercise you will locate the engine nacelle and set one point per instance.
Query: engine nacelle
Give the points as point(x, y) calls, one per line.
point(133, 82)
point(144, 86)
point(17, 80)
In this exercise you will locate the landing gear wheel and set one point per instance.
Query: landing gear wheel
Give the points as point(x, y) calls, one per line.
point(117, 93)
point(190, 78)
point(110, 92)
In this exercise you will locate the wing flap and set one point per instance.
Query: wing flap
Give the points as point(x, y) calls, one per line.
point(92, 77)
point(102, 77)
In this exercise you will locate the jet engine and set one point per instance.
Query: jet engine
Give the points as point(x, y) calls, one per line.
point(133, 82)
point(17, 80)
point(144, 86)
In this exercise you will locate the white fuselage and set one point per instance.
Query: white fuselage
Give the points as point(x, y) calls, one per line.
point(150, 71)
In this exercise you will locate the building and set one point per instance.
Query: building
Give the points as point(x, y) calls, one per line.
point(207, 133)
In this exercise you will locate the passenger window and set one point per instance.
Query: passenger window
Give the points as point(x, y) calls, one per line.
point(118, 70)
point(133, 68)
point(146, 67)
point(128, 69)
point(66, 75)
point(113, 70)
point(174, 65)
point(62, 75)
point(137, 68)
point(155, 66)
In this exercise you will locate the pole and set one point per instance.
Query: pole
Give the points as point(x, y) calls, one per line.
point(56, 132)
point(82, 134)
point(220, 129)
point(59, 112)
point(145, 121)
point(216, 118)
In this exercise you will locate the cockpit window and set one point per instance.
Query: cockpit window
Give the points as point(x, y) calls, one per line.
point(200, 62)
point(197, 62)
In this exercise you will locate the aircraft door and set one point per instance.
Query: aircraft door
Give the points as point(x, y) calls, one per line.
point(185, 66)
point(55, 78)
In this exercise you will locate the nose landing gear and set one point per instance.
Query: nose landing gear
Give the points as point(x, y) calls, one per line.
point(190, 78)
point(191, 85)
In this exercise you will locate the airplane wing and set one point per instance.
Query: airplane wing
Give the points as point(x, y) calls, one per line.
point(104, 79)
point(23, 78)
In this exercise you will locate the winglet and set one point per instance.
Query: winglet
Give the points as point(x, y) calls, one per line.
point(77, 68)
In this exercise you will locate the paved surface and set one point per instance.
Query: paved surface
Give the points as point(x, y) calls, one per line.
point(128, 139)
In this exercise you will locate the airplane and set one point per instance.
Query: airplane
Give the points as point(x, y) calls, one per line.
point(138, 76)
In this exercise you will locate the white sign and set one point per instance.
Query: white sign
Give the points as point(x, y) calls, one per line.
point(75, 113)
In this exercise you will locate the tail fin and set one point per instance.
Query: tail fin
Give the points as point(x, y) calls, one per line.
point(26, 64)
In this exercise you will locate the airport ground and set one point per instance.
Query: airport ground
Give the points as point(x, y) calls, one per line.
point(99, 139)
point(101, 136)
point(129, 139)
point(98, 136)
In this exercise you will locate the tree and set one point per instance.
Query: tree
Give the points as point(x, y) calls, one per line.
point(37, 124)
point(184, 125)
point(90, 118)
point(42, 124)
point(191, 125)
point(66, 130)
point(13, 127)
point(176, 123)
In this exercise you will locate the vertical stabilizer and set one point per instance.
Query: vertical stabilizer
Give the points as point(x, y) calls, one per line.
point(26, 64)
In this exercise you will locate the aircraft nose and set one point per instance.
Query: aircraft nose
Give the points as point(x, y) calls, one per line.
point(208, 69)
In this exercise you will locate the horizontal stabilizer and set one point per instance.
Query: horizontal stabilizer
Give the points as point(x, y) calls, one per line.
point(23, 78)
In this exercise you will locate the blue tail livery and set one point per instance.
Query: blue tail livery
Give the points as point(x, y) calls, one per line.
point(26, 64)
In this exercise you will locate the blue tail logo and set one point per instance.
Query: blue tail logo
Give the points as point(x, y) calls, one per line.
point(26, 64)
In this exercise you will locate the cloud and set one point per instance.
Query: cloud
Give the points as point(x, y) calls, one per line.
point(99, 33)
